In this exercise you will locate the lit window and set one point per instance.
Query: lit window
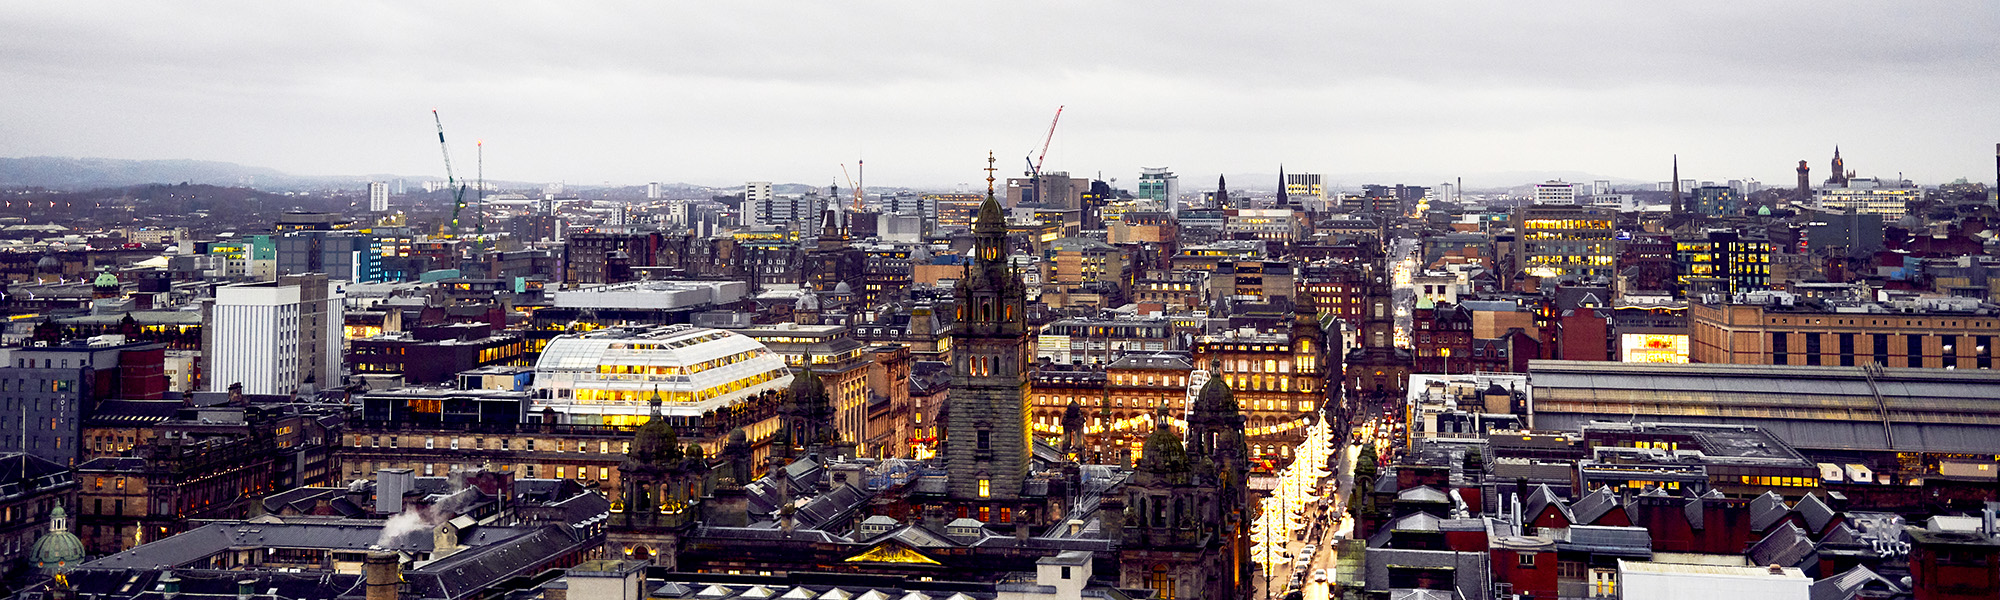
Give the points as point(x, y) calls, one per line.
point(985, 488)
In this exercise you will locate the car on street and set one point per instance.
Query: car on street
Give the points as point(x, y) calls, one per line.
point(1319, 576)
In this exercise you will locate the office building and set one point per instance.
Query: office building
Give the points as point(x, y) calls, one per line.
point(610, 376)
point(54, 388)
point(757, 198)
point(1558, 241)
point(653, 190)
point(276, 337)
point(1555, 193)
point(1304, 187)
point(1868, 197)
point(1722, 262)
point(341, 255)
point(1718, 201)
point(378, 196)
point(1160, 185)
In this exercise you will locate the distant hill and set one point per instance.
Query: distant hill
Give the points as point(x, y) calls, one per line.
point(72, 174)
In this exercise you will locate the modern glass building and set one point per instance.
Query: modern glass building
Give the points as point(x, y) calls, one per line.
point(610, 376)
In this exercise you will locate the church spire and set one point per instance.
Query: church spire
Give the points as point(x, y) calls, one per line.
point(1221, 191)
point(1284, 201)
point(1675, 185)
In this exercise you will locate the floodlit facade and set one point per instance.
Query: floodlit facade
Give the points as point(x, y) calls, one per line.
point(610, 376)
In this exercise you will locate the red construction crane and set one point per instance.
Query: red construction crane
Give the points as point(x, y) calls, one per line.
point(1035, 166)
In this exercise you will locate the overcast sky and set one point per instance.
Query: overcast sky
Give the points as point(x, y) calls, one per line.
point(722, 92)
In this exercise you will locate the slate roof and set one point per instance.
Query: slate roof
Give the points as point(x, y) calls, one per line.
point(1817, 513)
point(841, 500)
point(474, 570)
point(1785, 546)
point(1766, 510)
point(1540, 500)
point(1622, 542)
point(1594, 505)
point(1468, 568)
point(1849, 585)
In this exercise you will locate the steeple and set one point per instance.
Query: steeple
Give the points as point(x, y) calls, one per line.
point(1284, 200)
point(1221, 191)
point(1676, 186)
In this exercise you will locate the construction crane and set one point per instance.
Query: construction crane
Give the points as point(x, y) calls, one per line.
point(1035, 166)
point(451, 181)
point(853, 184)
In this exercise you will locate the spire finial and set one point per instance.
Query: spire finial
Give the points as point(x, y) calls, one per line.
point(989, 173)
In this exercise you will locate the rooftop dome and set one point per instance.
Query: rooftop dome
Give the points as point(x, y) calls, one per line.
point(656, 442)
point(1216, 395)
point(49, 264)
point(105, 280)
point(58, 549)
point(1164, 452)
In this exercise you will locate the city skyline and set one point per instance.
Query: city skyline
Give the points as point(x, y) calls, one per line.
point(720, 95)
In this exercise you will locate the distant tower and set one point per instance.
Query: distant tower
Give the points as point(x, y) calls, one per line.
point(378, 196)
point(1839, 169)
point(1805, 182)
point(1676, 186)
point(1221, 191)
point(1284, 200)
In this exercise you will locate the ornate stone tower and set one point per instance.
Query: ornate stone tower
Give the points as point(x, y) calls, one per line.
point(661, 494)
point(1221, 459)
point(987, 448)
point(1376, 371)
point(1839, 169)
point(1184, 528)
point(808, 414)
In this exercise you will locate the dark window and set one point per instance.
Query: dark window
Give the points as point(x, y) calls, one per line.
point(1812, 349)
point(1949, 351)
point(1983, 351)
point(983, 439)
point(1847, 349)
point(1881, 343)
point(1781, 348)
point(1916, 346)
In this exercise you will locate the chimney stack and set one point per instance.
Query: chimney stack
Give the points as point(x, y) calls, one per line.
point(384, 573)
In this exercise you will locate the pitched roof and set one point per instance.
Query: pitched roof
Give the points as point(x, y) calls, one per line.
point(1785, 546)
point(1540, 500)
point(1766, 510)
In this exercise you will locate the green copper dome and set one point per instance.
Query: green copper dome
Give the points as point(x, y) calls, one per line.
point(1164, 452)
point(58, 549)
point(105, 280)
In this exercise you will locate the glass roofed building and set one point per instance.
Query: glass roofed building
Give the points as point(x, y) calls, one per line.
point(610, 376)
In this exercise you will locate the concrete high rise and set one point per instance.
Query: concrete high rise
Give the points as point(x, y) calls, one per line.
point(1555, 193)
point(275, 337)
point(653, 191)
point(757, 203)
point(1304, 187)
point(378, 196)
